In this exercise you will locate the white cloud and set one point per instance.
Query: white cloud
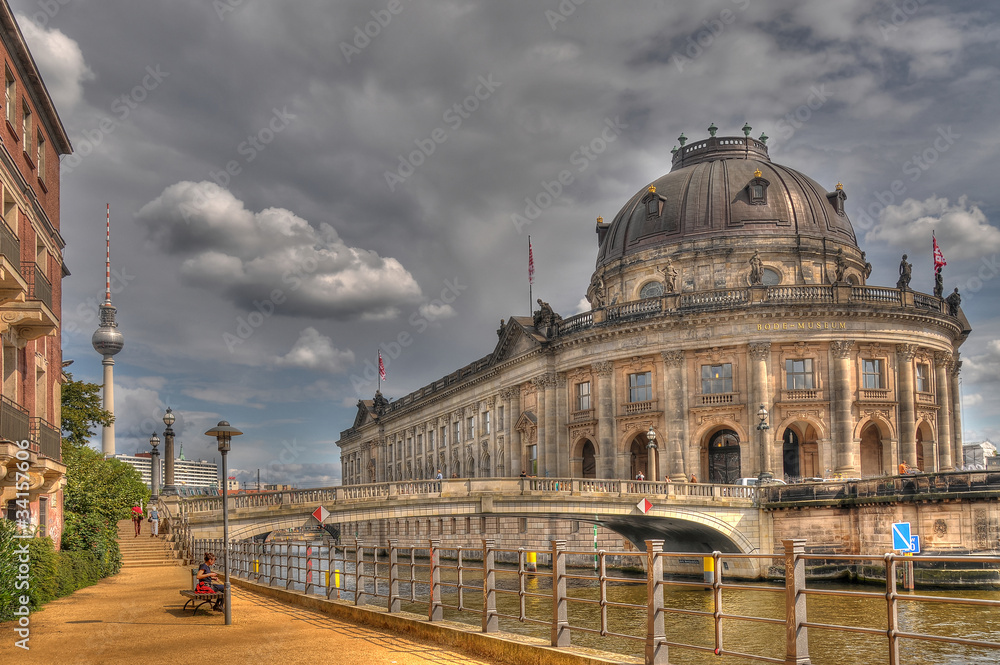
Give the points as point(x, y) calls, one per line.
point(316, 351)
point(273, 257)
point(962, 230)
point(436, 311)
point(59, 60)
point(583, 306)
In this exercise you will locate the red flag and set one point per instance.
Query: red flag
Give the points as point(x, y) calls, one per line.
point(381, 367)
point(531, 264)
point(939, 261)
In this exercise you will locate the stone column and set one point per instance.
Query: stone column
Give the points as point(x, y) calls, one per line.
point(846, 458)
point(907, 407)
point(760, 352)
point(551, 464)
point(674, 414)
point(512, 439)
point(604, 371)
point(944, 442)
point(562, 450)
point(957, 454)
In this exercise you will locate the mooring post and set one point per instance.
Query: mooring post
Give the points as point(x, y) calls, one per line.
point(434, 610)
point(393, 603)
point(560, 617)
point(796, 635)
point(359, 562)
point(656, 637)
point(491, 623)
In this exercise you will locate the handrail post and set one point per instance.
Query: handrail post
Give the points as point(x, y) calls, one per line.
point(393, 577)
point(796, 636)
point(434, 610)
point(892, 608)
point(560, 618)
point(656, 636)
point(491, 623)
point(359, 562)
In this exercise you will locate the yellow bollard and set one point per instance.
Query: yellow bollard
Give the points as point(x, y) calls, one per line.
point(336, 581)
point(256, 566)
point(709, 570)
point(532, 564)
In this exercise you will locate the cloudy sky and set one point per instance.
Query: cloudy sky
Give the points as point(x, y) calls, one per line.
point(294, 183)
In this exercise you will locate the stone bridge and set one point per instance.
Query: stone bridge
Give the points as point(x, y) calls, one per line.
point(689, 517)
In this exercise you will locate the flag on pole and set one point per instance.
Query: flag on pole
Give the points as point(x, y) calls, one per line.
point(381, 367)
point(939, 261)
point(531, 264)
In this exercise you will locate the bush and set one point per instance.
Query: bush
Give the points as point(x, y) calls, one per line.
point(91, 533)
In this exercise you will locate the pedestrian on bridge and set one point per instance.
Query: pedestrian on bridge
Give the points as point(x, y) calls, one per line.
point(640, 476)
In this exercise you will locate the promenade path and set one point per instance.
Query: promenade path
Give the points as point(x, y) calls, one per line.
point(135, 618)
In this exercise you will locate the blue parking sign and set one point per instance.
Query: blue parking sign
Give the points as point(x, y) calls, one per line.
point(901, 536)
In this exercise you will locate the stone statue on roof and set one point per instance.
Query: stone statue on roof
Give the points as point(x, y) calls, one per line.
point(905, 273)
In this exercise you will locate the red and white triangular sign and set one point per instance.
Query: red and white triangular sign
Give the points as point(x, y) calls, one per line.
point(644, 506)
point(321, 514)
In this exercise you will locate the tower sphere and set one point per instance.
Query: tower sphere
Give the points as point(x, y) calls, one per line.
point(108, 341)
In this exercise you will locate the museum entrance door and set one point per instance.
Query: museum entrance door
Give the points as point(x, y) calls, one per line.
point(589, 461)
point(724, 457)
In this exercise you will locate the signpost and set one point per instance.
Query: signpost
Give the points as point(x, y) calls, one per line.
point(644, 506)
point(321, 514)
point(909, 544)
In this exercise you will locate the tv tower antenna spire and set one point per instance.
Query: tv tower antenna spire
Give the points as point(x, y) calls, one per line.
point(108, 341)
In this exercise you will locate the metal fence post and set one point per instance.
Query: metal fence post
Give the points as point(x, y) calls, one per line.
point(796, 636)
point(434, 610)
point(393, 603)
point(656, 637)
point(560, 620)
point(359, 562)
point(892, 608)
point(491, 623)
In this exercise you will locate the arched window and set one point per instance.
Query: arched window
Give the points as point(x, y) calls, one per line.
point(757, 189)
point(771, 277)
point(652, 289)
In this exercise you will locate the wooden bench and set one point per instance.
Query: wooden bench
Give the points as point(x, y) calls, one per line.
point(195, 599)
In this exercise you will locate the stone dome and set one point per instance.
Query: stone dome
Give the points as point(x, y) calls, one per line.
point(725, 187)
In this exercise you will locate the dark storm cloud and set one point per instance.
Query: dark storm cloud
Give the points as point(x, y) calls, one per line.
point(848, 94)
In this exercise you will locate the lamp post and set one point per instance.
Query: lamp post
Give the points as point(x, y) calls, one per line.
point(223, 433)
point(762, 427)
point(169, 488)
point(651, 454)
point(154, 469)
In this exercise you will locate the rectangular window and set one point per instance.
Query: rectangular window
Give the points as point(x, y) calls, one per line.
point(871, 371)
point(716, 379)
point(444, 437)
point(532, 460)
point(486, 422)
point(420, 444)
point(640, 387)
point(923, 378)
point(10, 87)
point(430, 441)
point(26, 130)
point(470, 427)
point(583, 396)
point(500, 418)
point(799, 374)
point(456, 432)
point(40, 159)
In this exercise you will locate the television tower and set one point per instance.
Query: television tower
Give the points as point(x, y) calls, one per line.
point(108, 341)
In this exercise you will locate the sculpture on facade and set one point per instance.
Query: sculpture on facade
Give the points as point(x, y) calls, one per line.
point(669, 276)
point(868, 266)
point(905, 273)
point(841, 266)
point(756, 269)
point(380, 404)
point(938, 284)
point(595, 293)
point(544, 316)
point(954, 300)
point(500, 329)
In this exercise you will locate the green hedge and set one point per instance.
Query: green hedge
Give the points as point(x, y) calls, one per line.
point(52, 574)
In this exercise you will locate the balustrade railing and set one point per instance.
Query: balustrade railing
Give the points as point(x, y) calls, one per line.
point(14, 421)
point(46, 437)
point(875, 294)
point(800, 293)
point(915, 485)
point(39, 286)
point(472, 580)
point(10, 246)
point(723, 297)
point(633, 309)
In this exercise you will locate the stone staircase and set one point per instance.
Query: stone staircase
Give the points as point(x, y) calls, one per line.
point(143, 551)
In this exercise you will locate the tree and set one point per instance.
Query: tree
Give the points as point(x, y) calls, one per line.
point(81, 410)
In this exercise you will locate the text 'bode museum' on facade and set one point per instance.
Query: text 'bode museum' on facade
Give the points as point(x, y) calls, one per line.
point(729, 283)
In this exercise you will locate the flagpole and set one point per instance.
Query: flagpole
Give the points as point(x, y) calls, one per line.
point(380, 370)
point(530, 267)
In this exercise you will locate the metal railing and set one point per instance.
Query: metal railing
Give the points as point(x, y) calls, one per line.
point(10, 246)
point(14, 422)
point(442, 578)
point(918, 486)
point(46, 437)
point(39, 287)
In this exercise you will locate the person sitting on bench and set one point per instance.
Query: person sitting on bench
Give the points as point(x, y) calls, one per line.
point(207, 577)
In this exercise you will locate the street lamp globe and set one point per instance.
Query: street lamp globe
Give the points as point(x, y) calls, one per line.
point(762, 415)
point(168, 417)
point(154, 441)
point(651, 437)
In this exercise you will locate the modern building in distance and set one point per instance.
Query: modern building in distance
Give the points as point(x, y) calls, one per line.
point(32, 139)
point(977, 453)
point(191, 476)
point(730, 283)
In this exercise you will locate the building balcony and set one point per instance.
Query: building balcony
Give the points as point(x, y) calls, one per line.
point(30, 314)
point(12, 284)
point(43, 453)
point(802, 395)
point(14, 421)
point(640, 407)
point(46, 437)
point(39, 286)
point(874, 395)
point(718, 399)
point(584, 416)
point(926, 398)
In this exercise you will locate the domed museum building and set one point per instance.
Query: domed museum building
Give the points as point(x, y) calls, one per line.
point(727, 294)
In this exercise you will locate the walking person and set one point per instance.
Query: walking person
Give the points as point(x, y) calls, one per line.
point(137, 519)
point(154, 522)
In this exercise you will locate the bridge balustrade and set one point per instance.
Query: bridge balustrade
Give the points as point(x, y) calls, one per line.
point(442, 578)
point(923, 484)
